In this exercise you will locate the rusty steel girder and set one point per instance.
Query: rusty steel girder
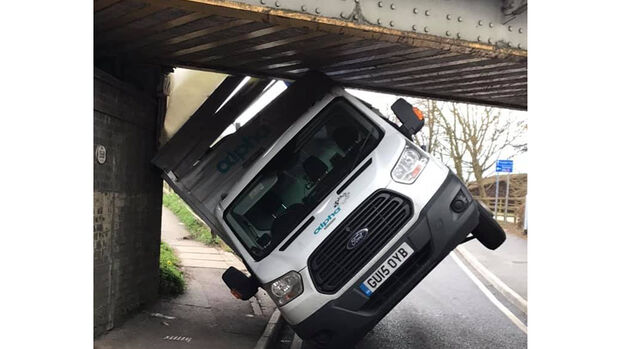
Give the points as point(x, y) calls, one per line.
point(469, 50)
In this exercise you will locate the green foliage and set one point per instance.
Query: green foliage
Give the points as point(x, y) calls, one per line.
point(196, 228)
point(171, 280)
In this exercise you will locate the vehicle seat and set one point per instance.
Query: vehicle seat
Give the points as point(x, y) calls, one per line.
point(262, 213)
point(345, 137)
point(283, 225)
point(315, 168)
point(336, 160)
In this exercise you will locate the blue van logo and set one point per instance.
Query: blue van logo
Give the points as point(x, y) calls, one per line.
point(242, 151)
point(327, 221)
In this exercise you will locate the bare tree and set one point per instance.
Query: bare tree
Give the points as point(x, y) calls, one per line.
point(430, 136)
point(467, 138)
point(452, 131)
point(484, 133)
point(470, 137)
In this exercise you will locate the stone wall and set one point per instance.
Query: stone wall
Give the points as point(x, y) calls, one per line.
point(127, 200)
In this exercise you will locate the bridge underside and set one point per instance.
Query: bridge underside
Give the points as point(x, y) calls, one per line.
point(240, 38)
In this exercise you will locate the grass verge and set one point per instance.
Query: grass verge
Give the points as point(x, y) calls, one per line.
point(197, 229)
point(171, 279)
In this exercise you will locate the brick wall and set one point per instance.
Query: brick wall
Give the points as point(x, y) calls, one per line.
point(127, 200)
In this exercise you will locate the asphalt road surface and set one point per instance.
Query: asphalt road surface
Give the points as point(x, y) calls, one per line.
point(446, 310)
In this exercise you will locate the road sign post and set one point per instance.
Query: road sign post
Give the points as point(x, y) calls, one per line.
point(506, 202)
point(502, 166)
point(496, 194)
point(525, 217)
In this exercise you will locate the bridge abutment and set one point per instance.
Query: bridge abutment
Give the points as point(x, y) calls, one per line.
point(127, 191)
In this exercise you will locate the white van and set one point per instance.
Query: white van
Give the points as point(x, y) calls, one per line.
point(335, 211)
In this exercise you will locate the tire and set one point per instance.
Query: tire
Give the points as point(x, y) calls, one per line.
point(488, 232)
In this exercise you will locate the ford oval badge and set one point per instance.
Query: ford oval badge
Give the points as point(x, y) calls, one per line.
point(357, 238)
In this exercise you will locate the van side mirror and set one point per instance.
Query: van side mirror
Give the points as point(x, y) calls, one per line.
point(241, 286)
point(410, 116)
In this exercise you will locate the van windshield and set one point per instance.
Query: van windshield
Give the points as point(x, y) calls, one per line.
point(300, 176)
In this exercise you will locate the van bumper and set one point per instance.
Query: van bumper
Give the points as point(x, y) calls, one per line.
point(438, 230)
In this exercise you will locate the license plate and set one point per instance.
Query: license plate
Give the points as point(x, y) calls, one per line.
point(386, 269)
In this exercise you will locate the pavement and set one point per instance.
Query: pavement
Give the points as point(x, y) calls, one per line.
point(206, 315)
point(508, 262)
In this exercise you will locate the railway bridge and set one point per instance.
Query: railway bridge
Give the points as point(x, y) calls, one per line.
point(472, 51)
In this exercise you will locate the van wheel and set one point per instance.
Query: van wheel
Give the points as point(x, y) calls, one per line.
point(488, 231)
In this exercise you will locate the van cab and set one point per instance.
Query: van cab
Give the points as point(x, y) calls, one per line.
point(333, 208)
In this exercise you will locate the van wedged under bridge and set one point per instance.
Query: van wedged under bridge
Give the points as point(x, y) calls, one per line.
point(333, 208)
point(470, 51)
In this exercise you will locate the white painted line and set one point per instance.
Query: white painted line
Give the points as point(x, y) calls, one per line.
point(508, 292)
point(270, 330)
point(489, 295)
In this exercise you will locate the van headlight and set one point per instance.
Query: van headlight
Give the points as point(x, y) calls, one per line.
point(286, 288)
point(409, 165)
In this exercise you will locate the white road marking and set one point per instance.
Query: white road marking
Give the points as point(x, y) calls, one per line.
point(509, 293)
point(489, 295)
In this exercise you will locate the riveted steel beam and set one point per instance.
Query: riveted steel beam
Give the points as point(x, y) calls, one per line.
point(465, 50)
point(487, 36)
point(500, 24)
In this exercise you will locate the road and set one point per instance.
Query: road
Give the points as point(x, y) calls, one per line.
point(446, 310)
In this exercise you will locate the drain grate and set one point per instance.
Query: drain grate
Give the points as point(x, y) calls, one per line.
point(178, 338)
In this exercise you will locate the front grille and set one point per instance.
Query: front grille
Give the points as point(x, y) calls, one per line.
point(384, 213)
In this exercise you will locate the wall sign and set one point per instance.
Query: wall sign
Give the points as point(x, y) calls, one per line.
point(100, 154)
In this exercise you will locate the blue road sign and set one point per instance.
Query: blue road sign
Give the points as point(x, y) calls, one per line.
point(503, 166)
